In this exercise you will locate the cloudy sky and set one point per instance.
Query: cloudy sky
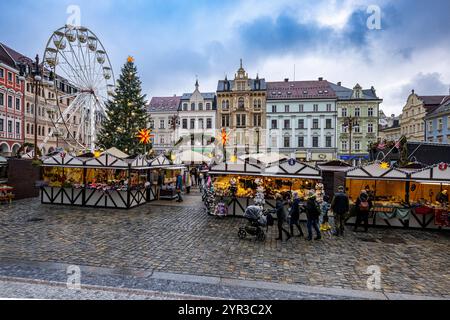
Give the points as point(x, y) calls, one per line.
point(175, 40)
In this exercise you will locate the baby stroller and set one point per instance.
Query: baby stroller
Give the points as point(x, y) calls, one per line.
point(256, 220)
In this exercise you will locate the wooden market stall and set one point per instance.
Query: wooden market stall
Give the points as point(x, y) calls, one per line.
point(427, 186)
point(3, 173)
point(106, 181)
point(234, 183)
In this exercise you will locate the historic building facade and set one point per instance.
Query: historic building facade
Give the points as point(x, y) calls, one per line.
point(438, 123)
point(11, 104)
point(357, 109)
point(301, 119)
point(197, 120)
point(164, 122)
point(241, 111)
point(416, 109)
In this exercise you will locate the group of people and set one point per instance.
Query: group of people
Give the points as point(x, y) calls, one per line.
point(322, 217)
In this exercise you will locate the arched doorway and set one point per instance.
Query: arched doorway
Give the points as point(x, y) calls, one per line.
point(15, 149)
point(4, 148)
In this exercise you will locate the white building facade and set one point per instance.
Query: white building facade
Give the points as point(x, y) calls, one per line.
point(197, 120)
point(301, 119)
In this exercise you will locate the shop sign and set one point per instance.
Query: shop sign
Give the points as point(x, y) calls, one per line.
point(443, 166)
point(292, 162)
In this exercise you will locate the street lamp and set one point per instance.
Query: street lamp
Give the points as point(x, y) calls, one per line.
point(350, 122)
point(27, 68)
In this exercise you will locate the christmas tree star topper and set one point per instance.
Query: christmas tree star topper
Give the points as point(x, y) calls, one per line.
point(130, 59)
point(144, 136)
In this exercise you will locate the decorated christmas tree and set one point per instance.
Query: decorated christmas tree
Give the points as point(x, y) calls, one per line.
point(126, 113)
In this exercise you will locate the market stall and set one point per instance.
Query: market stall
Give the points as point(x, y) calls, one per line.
point(106, 181)
point(3, 173)
point(388, 188)
point(163, 177)
point(429, 190)
point(236, 184)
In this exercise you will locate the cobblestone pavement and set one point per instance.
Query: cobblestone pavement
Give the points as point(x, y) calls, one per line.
point(184, 240)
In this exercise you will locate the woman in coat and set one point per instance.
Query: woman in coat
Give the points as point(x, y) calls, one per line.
point(281, 217)
point(313, 213)
point(363, 206)
point(295, 215)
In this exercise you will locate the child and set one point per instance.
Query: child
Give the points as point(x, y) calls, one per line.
point(325, 226)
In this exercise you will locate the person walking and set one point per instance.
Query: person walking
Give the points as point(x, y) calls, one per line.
point(179, 187)
point(295, 215)
point(312, 214)
point(363, 207)
point(188, 183)
point(281, 217)
point(160, 184)
point(340, 206)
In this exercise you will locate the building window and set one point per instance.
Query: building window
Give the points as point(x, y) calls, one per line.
point(152, 124)
point(184, 124)
point(241, 103)
point(257, 120)
point(208, 123)
point(161, 140)
point(301, 123)
point(344, 128)
point(286, 109)
point(192, 106)
point(200, 106)
point(448, 125)
point(10, 102)
point(225, 121)
point(344, 112)
point(274, 142)
point(28, 128)
point(357, 112)
point(315, 142)
point(192, 124)
point(315, 124)
point(370, 112)
point(2, 73)
point(440, 125)
point(357, 128)
point(370, 128)
point(274, 109)
point(328, 124)
point(287, 142)
point(185, 106)
point(9, 126)
point(1, 125)
point(357, 145)
point(328, 107)
point(161, 124)
point(201, 124)
point(274, 124)
point(328, 142)
point(287, 124)
point(430, 126)
point(301, 142)
point(240, 120)
point(316, 108)
point(208, 106)
point(10, 77)
point(300, 108)
point(2, 99)
point(17, 128)
point(344, 145)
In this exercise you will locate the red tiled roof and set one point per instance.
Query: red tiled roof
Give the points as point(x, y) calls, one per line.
point(432, 100)
point(164, 104)
point(300, 90)
point(14, 54)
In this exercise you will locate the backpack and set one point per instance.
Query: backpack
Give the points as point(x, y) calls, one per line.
point(364, 205)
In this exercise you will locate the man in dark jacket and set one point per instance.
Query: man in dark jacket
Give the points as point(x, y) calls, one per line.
point(363, 206)
point(281, 217)
point(340, 206)
point(295, 215)
point(312, 214)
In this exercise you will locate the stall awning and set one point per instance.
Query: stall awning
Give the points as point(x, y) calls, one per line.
point(62, 159)
point(438, 173)
point(117, 153)
point(190, 156)
point(264, 158)
point(376, 170)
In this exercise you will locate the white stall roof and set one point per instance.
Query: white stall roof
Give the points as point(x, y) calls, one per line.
point(438, 173)
point(117, 153)
point(159, 162)
point(62, 159)
point(293, 169)
point(3, 160)
point(106, 160)
point(375, 170)
point(189, 156)
point(264, 158)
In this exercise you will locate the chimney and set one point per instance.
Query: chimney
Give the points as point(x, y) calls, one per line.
point(320, 79)
point(339, 83)
point(286, 79)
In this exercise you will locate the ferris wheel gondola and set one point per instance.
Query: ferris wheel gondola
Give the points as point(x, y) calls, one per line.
point(83, 82)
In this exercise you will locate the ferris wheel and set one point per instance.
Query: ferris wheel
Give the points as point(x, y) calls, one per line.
point(83, 79)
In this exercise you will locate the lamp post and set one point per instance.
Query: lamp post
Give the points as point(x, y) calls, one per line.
point(350, 122)
point(34, 70)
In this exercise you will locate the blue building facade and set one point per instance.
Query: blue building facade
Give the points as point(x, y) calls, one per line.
point(437, 124)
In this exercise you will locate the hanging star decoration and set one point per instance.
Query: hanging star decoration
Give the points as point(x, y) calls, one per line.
point(224, 137)
point(144, 136)
point(384, 165)
point(130, 59)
